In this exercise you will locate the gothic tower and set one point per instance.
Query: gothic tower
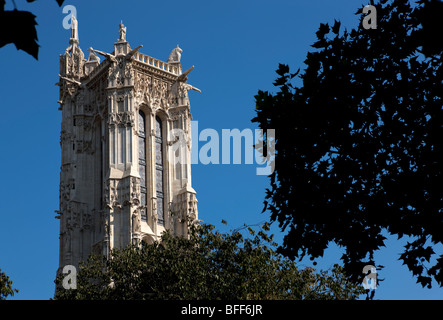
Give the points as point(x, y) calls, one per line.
point(126, 147)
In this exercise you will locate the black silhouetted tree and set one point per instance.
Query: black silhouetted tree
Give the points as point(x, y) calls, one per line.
point(207, 265)
point(19, 27)
point(359, 142)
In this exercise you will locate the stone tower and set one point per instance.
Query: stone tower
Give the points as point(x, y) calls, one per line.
point(126, 144)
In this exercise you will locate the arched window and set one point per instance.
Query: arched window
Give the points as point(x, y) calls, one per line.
point(147, 241)
point(142, 161)
point(159, 169)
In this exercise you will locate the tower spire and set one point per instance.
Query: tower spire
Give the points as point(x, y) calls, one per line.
point(74, 58)
point(74, 31)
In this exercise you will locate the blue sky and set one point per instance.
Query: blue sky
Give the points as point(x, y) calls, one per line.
point(235, 46)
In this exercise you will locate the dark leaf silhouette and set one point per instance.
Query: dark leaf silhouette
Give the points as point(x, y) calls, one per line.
point(19, 28)
point(324, 29)
point(358, 145)
point(430, 18)
point(336, 28)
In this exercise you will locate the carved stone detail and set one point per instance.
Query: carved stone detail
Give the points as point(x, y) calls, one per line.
point(175, 55)
point(111, 194)
point(122, 119)
point(136, 222)
point(135, 191)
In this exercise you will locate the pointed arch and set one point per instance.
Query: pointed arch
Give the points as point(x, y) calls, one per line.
point(148, 239)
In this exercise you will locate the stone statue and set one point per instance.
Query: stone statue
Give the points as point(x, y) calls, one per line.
point(175, 55)
point(136, 222)
point(74, 28)
point(122, 32)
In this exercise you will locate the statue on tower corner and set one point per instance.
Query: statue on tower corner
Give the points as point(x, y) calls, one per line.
point(175, 55)
point(122, 32)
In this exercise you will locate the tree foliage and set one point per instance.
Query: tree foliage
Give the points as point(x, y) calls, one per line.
point(208, 265)
point(6, 288)
point(359, 142)
point(19, 27)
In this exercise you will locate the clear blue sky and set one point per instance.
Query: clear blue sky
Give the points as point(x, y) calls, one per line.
point(235, 46)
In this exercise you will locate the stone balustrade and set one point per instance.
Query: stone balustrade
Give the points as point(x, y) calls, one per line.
point(157, 63)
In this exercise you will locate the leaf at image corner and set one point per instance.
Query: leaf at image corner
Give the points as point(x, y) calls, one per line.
point(18, 27)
